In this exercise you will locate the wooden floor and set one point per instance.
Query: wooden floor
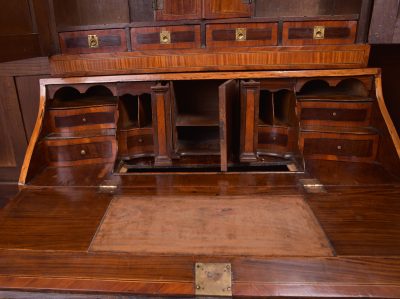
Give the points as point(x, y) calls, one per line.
point(344, 242)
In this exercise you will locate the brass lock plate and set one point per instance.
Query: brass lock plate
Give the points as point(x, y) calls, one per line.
point(319, 32)
point(213, 279)
point(93, 41)
point(165, 37)
point(241, 34)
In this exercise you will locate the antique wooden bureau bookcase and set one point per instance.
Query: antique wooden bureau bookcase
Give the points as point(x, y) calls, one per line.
point(209, 147)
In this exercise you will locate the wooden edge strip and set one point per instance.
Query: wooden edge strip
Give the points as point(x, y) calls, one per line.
point(174, 288)
point(211, 76)
point(35, 135)
point(385, 113)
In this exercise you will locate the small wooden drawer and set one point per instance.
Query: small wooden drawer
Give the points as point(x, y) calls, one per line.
point(94, 41)
point(135, 142)
point(242, 35)
point(276, 139)
point(80, 151)
point(339, 146)
point(81, 119)
point(334, 113)
point(319, 33)
point(169, 37)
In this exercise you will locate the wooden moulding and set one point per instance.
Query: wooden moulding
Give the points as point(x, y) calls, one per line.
point(229, 59)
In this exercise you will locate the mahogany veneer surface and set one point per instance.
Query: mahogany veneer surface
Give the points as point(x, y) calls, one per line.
point(52, 219)
point(205, 225)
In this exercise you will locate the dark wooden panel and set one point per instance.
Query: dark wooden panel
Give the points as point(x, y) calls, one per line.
point(216, 9)
point(256, 34)
point(12, 133)
point(385, 15)
point(112, 40)
point(28, 94)
point(52, 219)
point(140, 143)
point(90, 12)
point(302, 33)
point(179, 9)
point(180, 37)
point(7, 191)
point(141, 10)
point(13, 47)
point(360, 221)
point(309, 8)
point(15, 18)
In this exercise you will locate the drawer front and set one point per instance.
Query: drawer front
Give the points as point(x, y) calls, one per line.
point(276, 139)
point(135, 142)
point(169, 37)
point(335, 114)
point(80, 151)
point(242, 35)
point(319, 33)
point(71, 120)
point(339, 147)
point(220, 9)
point(94, 41)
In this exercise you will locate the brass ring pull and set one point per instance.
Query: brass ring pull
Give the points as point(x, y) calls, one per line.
point(93, 41)
point(165, 37)
point(241, 34)
point(319, 32)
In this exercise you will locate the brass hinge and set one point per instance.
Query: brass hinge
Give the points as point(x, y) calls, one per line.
point(213, 279)
point(158, 4)
point(312, 186)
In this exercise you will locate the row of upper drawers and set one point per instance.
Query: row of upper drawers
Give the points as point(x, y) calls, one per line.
point(217, 35)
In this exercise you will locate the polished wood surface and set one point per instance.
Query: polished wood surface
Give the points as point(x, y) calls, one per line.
point(242, 58)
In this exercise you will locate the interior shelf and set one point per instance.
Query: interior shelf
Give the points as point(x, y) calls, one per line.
point(193, 120)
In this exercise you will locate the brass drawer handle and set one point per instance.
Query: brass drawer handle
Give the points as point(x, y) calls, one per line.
point(334, 113)
point(339, 147)
point(83, 152)
point(319, 32)
point(241, 34)
point(165, 37)
point(140, 140)
point(93, 41)
point(84, 120)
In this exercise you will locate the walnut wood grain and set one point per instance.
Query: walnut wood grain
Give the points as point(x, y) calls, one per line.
point(112, 40)
point(257, 35)
point(336, 32)
point(181, 37)
point(339, 146)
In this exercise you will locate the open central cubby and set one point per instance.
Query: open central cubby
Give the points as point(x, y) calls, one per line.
point(195, 107)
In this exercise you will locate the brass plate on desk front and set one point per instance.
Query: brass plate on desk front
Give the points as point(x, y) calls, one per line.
point(213, 279)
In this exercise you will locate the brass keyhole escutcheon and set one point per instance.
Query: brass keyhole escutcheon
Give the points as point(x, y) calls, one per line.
point(241, 34)
point(165, 37)
point(93, 41)
point(319, 32)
